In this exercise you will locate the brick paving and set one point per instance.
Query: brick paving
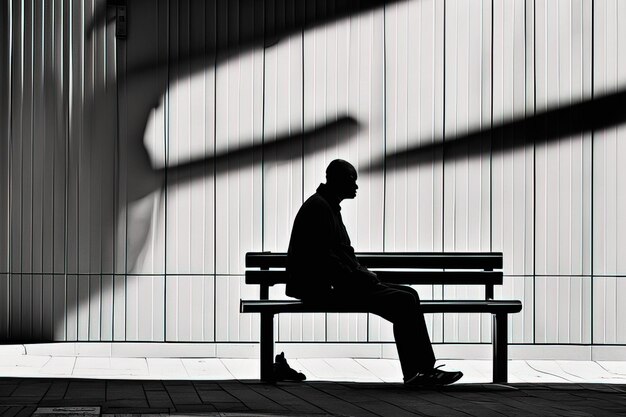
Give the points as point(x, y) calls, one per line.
point(24, 396)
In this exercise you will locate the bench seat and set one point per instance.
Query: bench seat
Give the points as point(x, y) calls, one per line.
point(428, 306)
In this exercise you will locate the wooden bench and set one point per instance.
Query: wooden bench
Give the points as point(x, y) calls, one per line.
point(267, 269)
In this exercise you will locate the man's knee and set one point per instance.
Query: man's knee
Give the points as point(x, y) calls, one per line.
point(408, 299)
point(408, 294)
point(413, 292)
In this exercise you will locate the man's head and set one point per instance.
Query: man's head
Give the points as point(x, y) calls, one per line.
point(341, 179)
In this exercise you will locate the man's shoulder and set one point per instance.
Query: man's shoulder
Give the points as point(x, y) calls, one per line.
point(315, 201)
point(315, 207)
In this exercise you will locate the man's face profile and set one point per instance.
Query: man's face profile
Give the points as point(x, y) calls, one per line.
point(342, 176)
point(349, 185)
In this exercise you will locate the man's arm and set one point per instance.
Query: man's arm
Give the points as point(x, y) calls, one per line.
point(354, 274)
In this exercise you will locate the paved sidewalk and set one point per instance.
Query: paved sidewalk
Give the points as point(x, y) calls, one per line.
point(45, 385)
point(25, 396)
point(329, 369)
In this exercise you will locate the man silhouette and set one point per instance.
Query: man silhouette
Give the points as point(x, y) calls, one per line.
point(322, 267)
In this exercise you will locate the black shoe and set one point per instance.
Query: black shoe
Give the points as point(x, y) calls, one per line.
point(283, 372)
point(433, 378)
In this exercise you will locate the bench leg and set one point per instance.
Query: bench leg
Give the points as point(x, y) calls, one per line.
point(267, 347)
point(500, 354)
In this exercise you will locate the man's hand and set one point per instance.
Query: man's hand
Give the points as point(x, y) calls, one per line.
point(367, 276)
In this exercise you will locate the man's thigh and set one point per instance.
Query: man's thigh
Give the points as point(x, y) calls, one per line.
point(405, 288)
point(386, 300)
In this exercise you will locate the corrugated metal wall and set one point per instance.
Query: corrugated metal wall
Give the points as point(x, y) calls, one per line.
point(105, 239)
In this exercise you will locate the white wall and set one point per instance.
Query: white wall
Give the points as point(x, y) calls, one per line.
point(82, 260)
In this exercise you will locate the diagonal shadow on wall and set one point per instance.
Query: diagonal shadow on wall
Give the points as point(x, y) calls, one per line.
point(551, 125)
point(111, 181)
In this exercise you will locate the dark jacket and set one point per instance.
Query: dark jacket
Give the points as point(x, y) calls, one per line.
point(320, 255)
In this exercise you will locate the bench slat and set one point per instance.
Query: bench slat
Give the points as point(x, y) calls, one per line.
point(428, 306)
point(432, 260)
point(273, 277)
point(424, 260)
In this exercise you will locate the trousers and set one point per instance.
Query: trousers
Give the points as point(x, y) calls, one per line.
point(399, 304)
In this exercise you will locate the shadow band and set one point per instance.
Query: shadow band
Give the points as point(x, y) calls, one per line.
point(282, 148)
point(554, 124)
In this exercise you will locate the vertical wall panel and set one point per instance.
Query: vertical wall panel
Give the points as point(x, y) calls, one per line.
point(97, 142)
point(47, 307)
point(609, 172)
point(239, 121)
point(59, 306)
point(145, 308)
point(521, 325)
point(563, 167)
point(72, 308)
point(36, 307)
point(467, 107)
point(414, 108)
point(5, 303)
point(90, 142)
point(119, 308)
point(191, 124)
point(59, 76)
point(152, 258)
point(15, 293)
point(282, 115)
point(609, 325)
point(512, 163)
point(230, 325)
point(106, 312)
point(15, 150)
point(45, 163)
point(87, 237)
point(74, 139)
point(26, 162)
point(139, 182)
point(150, 213)
point(5, 108)
point(96, 287)
point(471, 328)
point(563, 306)
point(39, 142)
point(83, 302)
point(190, 312)
point(26, 304)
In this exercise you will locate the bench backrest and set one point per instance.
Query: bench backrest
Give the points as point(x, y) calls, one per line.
point(445, 268)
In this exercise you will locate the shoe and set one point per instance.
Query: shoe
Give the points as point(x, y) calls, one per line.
point(433, 378)
point(284, 372)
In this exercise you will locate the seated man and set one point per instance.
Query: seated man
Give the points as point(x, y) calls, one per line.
point(322, 267)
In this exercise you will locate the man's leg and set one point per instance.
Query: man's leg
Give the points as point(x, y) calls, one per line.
point(411, 334)
point(401, 305)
